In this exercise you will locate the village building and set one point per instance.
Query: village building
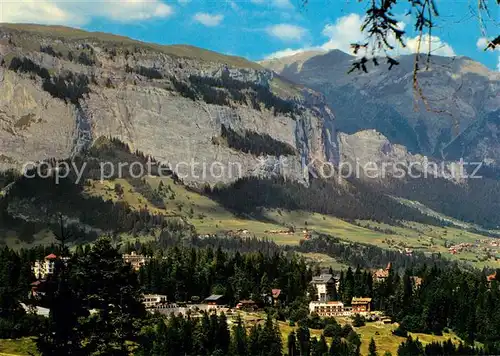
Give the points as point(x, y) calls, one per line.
point(43, 269)
point(490, 278)
point(247, 305)
point(361, 305)
point(329, 309)
point(277, 294)
point(382, 274)
point(215, 299)
point(154, 300)
point(416, 281)
point(324, 285)
point(135, 260)
point(337, 308)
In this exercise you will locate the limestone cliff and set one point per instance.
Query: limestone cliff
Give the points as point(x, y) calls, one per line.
point(61, 89)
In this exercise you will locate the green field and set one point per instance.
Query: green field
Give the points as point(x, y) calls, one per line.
point(209, 217)
point(381, 333)
point(24, 347)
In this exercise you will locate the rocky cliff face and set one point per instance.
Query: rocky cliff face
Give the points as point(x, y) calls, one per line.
point(61, 89)
point(458, 117)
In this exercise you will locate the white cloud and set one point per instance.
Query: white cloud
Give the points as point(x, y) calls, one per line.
point(208, 19)
point(78, 13)
point(347, 30)
point(287, 32)
point(438, 47)
point(287, 53)
point(481, 43)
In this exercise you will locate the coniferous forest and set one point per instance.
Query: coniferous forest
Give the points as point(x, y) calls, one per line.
point(96, 309)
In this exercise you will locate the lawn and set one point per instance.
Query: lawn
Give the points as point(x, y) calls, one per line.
point(381, 333)
point(24, 346)
point(325, 261)
point(386, 341)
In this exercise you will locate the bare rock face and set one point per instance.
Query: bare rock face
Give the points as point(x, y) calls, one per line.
point(456, 117)
point(370, 156)
point(61, 89)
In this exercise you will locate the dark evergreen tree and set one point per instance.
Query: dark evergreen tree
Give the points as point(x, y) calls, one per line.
point(239, 346)
point(372, 348)
point(292, 344)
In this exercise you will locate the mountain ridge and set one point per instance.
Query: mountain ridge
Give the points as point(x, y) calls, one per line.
point(448, 107)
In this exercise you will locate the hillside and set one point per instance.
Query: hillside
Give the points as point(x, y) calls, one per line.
point(130, 208)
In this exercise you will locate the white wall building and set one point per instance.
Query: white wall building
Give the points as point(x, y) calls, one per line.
point(42, 269)
point(329, 309)
point(154, 300)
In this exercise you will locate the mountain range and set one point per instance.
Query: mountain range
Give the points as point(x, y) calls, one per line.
point(455, 115)
point(70, 95)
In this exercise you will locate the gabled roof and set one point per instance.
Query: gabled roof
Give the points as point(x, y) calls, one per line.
point(214, 297)
point(51, 257)
point(356, 300)
point(323, 278)
point(381, 273)
point(248, 302)
point(276, 292)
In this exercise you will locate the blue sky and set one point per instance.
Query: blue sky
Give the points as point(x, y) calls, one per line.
point(258, 29)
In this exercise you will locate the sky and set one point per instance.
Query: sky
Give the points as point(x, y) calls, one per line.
point(259, 29)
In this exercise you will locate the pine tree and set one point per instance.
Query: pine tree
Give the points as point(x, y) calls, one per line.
point(160, 343)
point(111, 290)
point(292, 344)
point(222, 336)
point(239, 345)
point(372, 348)
point(254, 340)
point(321, 347)
point(63, 336)
point(270, 339)
point(303, 338)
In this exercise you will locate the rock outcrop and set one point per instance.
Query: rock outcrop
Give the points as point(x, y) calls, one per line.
point(61, 89)
point(456, 118)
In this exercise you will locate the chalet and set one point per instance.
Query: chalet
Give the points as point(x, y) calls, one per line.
point(382, 274)
point(247, 305)
point(324, 284)
point(154, 300)
point(361, 305)
point(215, 299)
point(43, 269)
point(490, 278)
point(135, 260)
point(277, 294)
point(416, 281)
point(37, 290)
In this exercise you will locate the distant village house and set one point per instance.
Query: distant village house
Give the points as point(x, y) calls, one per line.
point(324, 285)
point(135, 260)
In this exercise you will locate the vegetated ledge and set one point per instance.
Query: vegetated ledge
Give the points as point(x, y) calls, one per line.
point(254, 143)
